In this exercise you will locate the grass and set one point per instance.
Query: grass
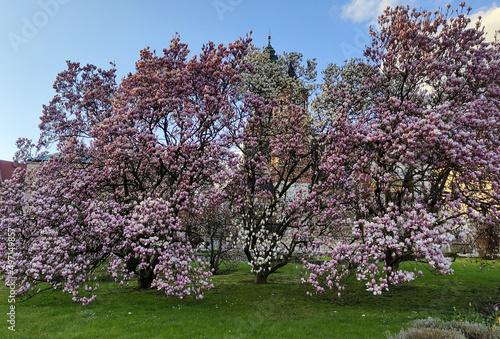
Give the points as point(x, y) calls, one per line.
point(237, 308)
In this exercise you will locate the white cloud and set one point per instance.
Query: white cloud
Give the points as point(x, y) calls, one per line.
point(368, 11)
point(365, 10)
point(490, 21)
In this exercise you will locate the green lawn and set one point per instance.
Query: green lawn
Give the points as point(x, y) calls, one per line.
point(236, 308)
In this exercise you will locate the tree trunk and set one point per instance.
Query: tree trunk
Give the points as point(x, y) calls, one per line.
point(147, 275)
point(261, 277)
point(394, 266)
point(146, 279)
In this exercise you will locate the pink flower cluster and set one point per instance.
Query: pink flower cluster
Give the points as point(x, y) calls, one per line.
point(135, 160)
point(412, 150)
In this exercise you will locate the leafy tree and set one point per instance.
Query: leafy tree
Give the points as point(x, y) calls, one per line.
point(412, 149)
point(134, 159)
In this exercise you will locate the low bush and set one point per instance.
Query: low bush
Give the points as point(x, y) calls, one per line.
point(427, 333)
point(435, 328)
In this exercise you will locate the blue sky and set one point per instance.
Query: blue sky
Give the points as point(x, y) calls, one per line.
point(38, 36)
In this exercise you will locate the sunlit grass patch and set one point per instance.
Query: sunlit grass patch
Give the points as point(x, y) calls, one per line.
point(237, 308)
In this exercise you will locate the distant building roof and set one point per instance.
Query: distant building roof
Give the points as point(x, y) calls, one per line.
point(41, 158)
point(46, 157)
point(7, 169)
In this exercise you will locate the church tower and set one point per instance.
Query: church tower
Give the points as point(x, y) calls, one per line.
point(269, 50)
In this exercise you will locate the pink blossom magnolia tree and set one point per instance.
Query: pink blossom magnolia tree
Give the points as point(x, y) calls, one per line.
point(63, 231)
point(167, 147)
point(135, 159)
point(64, 225)
point(412, 151)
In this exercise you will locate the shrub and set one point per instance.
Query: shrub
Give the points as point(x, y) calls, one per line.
point(427, 333)
point(436, 328)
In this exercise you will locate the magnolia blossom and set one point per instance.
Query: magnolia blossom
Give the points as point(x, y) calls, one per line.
point(411, 149)
point(135, 159)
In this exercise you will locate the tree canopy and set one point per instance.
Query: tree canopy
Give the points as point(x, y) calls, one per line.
point(395, 156)
point(412, 147)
